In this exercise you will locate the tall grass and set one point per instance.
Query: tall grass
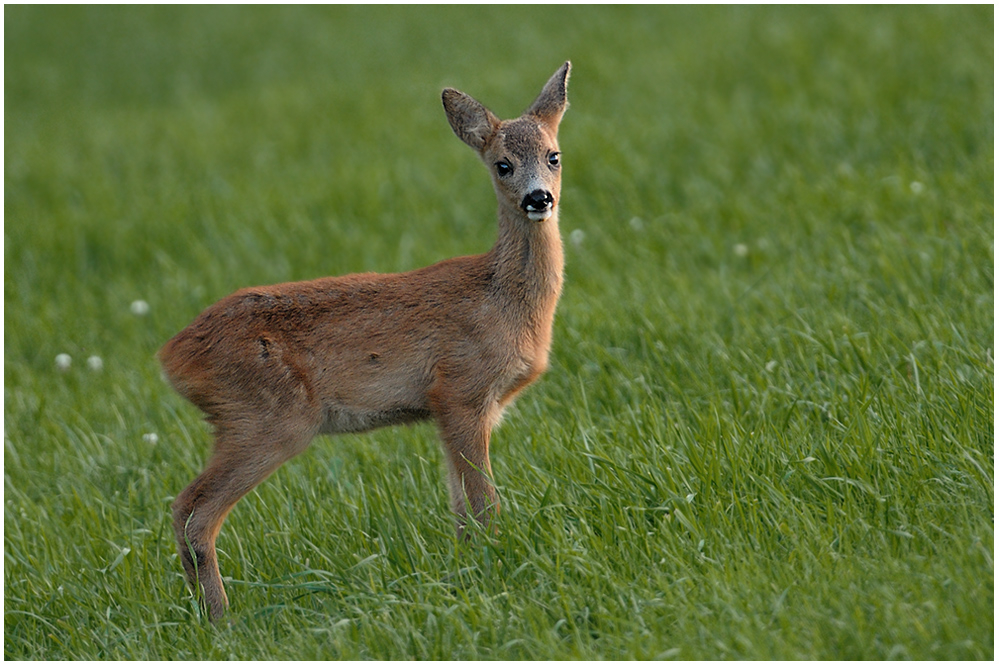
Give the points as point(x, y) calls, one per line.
point(767, 431)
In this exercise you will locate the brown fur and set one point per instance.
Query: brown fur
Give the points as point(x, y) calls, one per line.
point(272, 367)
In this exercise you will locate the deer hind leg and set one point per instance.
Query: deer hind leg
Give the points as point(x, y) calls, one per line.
point(238, 464)
point(466, 432)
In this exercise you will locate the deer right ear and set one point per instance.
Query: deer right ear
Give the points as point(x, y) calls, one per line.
point(471, 122)
point(552, 102)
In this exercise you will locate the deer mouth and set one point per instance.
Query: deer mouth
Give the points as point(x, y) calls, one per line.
point(539, 215)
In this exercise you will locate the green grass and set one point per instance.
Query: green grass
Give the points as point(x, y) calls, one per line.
point(767, 431)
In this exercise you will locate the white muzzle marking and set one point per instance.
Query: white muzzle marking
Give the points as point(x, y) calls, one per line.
point(540, 215)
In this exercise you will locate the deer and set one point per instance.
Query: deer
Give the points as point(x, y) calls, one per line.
point(273, 367)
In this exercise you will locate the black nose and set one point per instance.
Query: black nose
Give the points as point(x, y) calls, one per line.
point(538, 200)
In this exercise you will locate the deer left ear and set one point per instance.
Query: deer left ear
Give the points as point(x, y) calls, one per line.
point(472, 123)
point(552, 102)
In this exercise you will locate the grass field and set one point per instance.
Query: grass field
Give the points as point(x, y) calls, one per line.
point(767, 431)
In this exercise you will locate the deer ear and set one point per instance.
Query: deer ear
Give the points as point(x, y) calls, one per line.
point(552, 102)
point(472, 123)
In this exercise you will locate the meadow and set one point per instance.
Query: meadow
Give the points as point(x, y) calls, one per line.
point(767, 430)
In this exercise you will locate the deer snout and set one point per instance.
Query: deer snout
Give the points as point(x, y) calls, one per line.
point(538, 205)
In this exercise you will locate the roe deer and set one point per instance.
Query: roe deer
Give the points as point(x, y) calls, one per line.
point(272, 367)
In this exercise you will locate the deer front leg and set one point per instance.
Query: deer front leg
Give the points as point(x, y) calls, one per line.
point(465, 432)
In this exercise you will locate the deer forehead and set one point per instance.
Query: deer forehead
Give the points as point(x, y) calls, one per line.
point(524, 137)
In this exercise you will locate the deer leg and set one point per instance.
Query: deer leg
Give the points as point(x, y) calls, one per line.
point(465, 433)
point(200, 509)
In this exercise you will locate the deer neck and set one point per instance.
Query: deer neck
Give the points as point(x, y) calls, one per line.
point(527, 263)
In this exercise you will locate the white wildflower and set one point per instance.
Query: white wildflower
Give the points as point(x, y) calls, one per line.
point(741, 250)
point(95, 363)
point(63, 361)
point(916, 187)
point(151, 438)
point(139, 308)
point(577, 236)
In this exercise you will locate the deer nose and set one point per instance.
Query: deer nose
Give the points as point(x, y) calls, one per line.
point(537, 201)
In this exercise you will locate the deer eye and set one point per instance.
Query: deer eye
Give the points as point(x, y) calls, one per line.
point(503, 168)
point(553, 159)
